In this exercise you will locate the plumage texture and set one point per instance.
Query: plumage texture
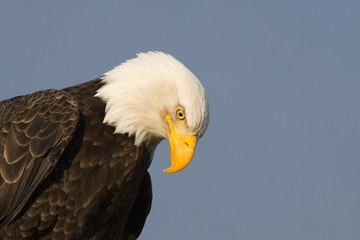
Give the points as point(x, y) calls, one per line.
point(97, 174)
point(68, 171)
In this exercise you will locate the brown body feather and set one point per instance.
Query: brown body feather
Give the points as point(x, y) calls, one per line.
point(66, 175)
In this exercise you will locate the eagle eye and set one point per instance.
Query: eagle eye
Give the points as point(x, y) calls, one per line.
point(180, 113)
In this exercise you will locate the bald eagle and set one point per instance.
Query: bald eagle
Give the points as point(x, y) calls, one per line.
point(73, 162)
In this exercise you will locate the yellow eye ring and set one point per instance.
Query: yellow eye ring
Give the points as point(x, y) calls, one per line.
point(180, 113)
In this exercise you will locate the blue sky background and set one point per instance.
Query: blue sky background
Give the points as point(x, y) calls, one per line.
point(281, 157)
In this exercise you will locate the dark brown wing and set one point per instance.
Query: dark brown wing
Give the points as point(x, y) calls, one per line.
point(34, 131)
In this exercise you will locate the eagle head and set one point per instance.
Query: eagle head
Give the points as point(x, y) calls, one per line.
point(155, 97)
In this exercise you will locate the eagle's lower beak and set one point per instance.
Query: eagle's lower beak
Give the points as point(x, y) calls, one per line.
point(182, 148)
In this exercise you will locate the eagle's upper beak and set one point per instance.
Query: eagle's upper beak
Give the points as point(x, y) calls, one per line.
point(182, 147)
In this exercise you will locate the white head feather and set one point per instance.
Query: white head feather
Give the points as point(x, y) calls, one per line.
point(140, 92)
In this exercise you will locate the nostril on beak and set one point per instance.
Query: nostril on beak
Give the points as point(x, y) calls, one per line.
point(189, 142)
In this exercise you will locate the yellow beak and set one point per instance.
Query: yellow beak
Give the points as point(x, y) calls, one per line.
point(182, 148)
